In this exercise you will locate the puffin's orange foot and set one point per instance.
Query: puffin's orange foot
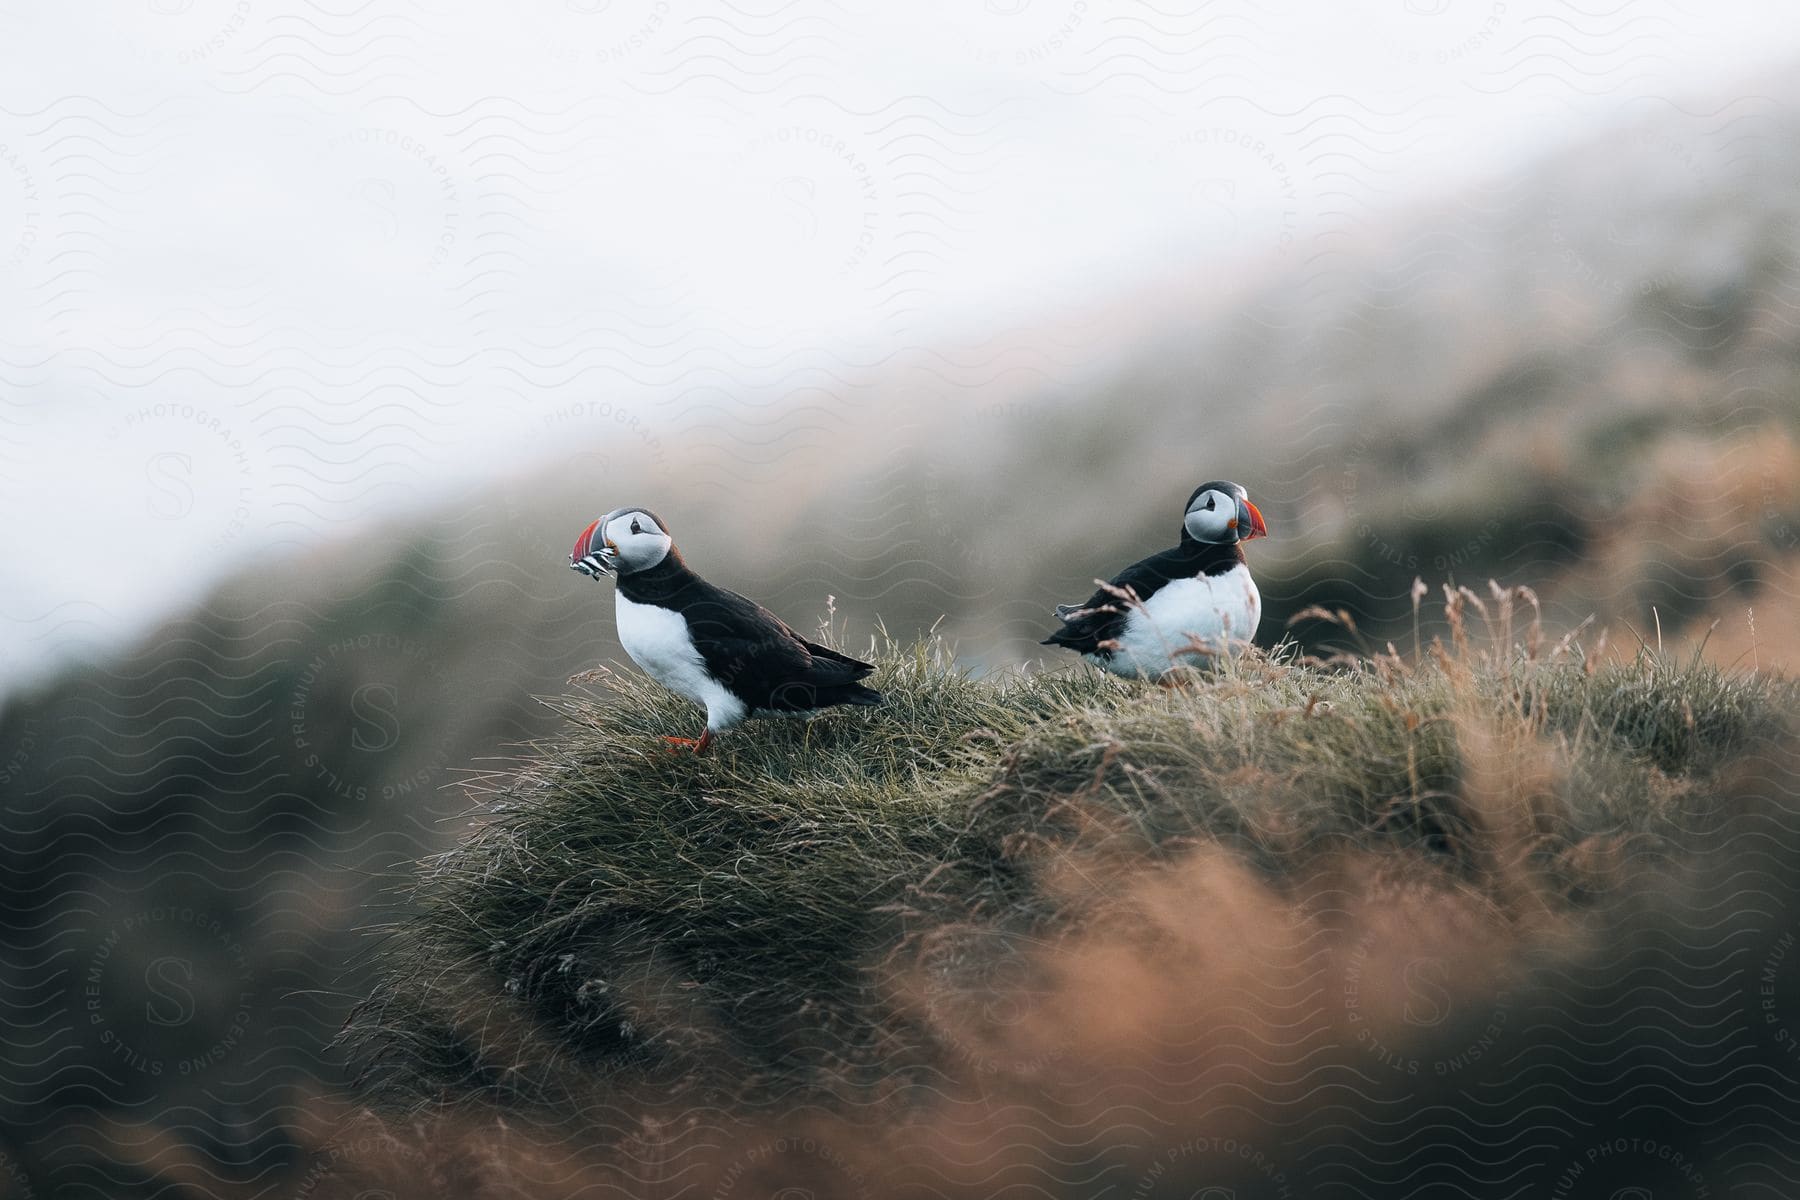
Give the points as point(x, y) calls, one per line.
point(695, 744)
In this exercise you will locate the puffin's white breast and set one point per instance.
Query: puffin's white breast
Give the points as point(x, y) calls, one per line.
point(1187, 621)
point(659, 641)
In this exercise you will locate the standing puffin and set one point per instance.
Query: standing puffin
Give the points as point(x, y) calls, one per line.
point(1191, 602)
point(725, 653)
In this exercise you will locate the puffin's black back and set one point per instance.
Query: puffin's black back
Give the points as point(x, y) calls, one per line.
point(747, 648)
point(1103, 616)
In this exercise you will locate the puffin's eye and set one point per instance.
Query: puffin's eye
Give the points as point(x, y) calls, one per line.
point(1209, 504)
point(635, 527)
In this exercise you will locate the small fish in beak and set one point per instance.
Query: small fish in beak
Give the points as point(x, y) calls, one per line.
point(587, 558)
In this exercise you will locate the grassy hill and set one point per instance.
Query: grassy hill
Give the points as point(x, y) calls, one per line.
point(950, 932)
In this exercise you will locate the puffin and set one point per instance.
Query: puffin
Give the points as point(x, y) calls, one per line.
point(724, 652)
point(1181, 607)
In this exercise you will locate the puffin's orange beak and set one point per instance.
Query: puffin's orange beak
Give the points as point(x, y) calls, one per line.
point(581, 543)
point(1257, 527)
point(586, 557)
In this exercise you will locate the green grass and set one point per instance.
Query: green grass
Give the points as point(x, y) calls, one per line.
point(755, 917)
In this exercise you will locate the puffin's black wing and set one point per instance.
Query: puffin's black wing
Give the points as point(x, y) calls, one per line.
point(1102, 618)
point(827, 654)
point(767, 665)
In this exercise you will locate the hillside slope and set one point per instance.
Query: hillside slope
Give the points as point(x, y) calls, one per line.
point(1001, 906)
point(193, 834)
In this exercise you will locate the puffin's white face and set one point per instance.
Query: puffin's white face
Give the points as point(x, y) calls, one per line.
point(623, 541)
point(1222, 513)
point(632, 541)
point(1212, 517)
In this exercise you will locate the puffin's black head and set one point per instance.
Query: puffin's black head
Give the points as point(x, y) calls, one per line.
point(1221, 511)
point(623, 541)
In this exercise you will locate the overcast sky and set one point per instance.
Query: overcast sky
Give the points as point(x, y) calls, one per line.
point(274, 268)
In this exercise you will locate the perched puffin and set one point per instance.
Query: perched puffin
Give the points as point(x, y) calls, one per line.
point(724, 652)
point(1192, 601)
